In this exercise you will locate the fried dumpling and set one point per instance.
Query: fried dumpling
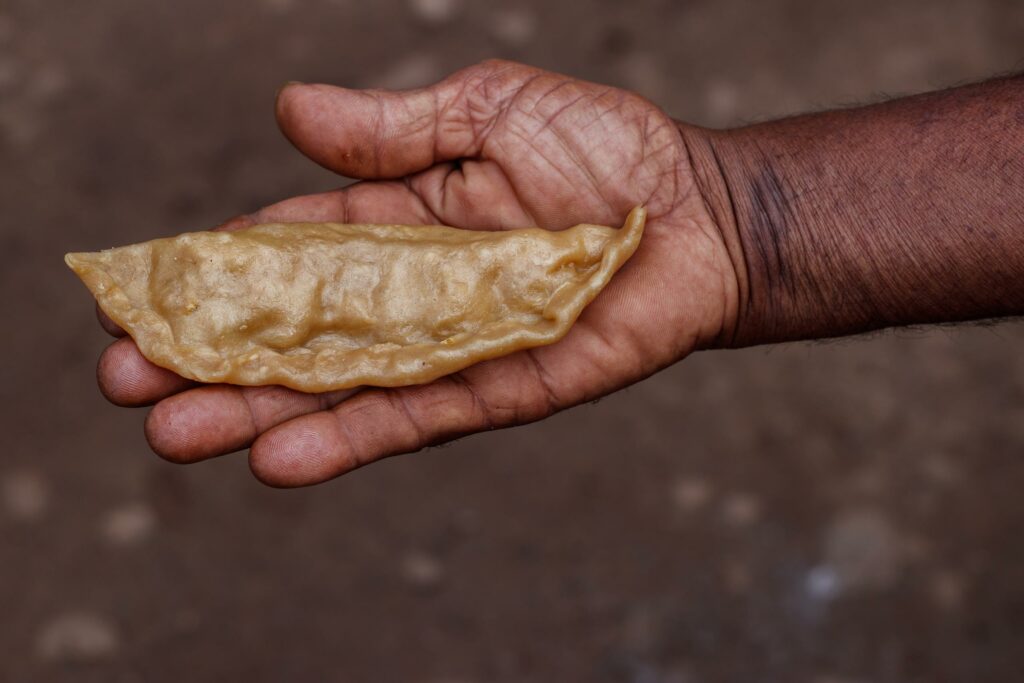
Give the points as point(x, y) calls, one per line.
point(324, 306)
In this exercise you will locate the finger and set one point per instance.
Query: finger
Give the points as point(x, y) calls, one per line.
point(515, 389)
point(108, 325)
point(127, 379)
point(365, 202)
point(384, 134)
point(472, 194)
point(217, 419)
point(235, 223)
point(381, 422)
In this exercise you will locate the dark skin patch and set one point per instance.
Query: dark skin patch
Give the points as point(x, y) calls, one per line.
point(907, 212)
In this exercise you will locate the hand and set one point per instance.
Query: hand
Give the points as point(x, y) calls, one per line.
point(495, 146)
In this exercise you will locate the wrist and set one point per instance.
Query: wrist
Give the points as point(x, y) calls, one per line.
point(901, 213)
point(712, 185)
point(795, 256)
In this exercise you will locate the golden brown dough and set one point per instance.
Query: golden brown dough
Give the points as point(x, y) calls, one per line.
point(323, 306)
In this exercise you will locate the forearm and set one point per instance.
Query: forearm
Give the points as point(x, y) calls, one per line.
point(906, 212)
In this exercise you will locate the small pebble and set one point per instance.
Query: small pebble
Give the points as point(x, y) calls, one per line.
point(77, 637)
point(129, 524)
point(740, 509)
point(822, 583)
point(863, 550)
point(25, 495)
point(422, 570)
point(434, 11)
point(691, 494)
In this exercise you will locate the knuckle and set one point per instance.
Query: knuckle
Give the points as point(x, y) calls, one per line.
point(418, 435)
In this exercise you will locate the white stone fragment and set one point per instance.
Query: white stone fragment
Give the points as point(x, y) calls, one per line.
point(741, 509)
point(25, 494)
point(129, 524)
point(863, 550)
point(77, 637)
point(691, 494)
point(422, 570)
point(434, 11)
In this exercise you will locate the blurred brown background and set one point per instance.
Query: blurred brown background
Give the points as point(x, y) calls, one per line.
point(840, 513)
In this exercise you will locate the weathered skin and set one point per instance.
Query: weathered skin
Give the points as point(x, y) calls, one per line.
point(324, 306)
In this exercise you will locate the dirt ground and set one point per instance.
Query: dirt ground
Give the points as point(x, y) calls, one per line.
point(847, 512)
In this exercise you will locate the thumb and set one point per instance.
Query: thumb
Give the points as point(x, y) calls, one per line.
point(387, 134)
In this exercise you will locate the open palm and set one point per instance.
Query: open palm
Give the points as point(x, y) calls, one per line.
point(495, 146)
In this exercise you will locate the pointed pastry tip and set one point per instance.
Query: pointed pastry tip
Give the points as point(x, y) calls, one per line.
point(637, 216)
point(73, 260)
point(77, 261)
point(634, 224)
